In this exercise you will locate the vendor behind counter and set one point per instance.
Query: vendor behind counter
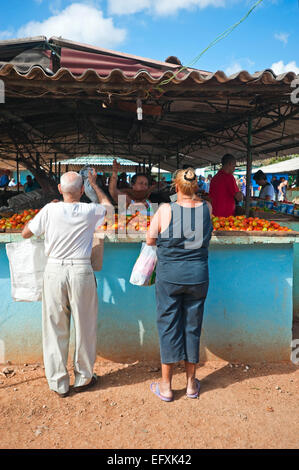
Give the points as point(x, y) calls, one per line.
point(267, 191)
point(224, 191)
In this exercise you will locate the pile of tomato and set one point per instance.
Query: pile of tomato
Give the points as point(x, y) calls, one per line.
point(17, 221)
point(250, 224)
point(136, 222)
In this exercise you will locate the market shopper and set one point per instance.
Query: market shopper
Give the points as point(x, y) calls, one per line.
point(282, 189)
point(208, 182)
point(29, 185)
point(224, 191)
point(275, 183)
point(4, 179)
point(267, 192)
point(12, 183)
point(69, 283)
point(182, 231)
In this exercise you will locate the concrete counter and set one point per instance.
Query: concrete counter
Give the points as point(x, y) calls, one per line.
point(248, 311)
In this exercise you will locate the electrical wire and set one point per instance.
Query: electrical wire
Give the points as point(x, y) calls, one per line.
point(215, 41)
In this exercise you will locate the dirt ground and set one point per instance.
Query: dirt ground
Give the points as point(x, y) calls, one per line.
point(239, 407)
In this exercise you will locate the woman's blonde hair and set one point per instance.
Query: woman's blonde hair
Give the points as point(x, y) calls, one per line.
point(186, 180)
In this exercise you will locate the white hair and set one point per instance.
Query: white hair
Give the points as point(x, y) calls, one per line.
point(71, 182)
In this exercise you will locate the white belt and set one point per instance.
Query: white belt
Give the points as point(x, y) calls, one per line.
point(68, 261)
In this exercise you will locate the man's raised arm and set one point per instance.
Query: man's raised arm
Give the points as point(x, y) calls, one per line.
point(114, 192)
point(103, 199)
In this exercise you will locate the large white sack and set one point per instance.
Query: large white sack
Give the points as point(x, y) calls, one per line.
point(27, 262)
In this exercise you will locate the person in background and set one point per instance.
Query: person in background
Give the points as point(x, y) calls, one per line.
point(12, 183)
point(163, 182)
point(122, 181)
point(4, 179)
point(182, 231)
point(242, 185)
point(275, 184)
point(69, 287)
point(208, 182)
point(202, 186)
point(224, 191)
point(29, 185)
point(267, 192)
point(35, 184)
point(282, 189)
point(160, 185)
point(137, 197)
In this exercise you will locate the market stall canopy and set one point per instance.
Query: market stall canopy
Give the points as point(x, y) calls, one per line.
point(73, 99)
point(104, 163)
point(100, 162)
point(287, 166)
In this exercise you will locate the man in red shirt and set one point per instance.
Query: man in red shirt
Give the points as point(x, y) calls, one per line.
point(224, 191)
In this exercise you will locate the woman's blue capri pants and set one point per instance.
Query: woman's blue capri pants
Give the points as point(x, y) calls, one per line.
point(179, 319)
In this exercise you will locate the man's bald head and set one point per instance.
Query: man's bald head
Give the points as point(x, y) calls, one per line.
point(71, 182)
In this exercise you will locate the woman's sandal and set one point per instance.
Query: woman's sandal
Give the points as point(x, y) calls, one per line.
point(157, 392)
point(194, 395)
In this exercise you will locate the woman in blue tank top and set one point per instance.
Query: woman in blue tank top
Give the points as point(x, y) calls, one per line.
point(182, 233)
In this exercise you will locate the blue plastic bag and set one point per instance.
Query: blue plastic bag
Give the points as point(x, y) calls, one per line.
point(89, 191)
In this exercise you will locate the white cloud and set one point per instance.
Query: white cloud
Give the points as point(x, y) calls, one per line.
point(55, 6)
point(159, 7)
point(234, 68)
point(243, 63)
point(283, 37)
point(279, 67)
point(129, 7)
point(6, 34)
point(78, 22)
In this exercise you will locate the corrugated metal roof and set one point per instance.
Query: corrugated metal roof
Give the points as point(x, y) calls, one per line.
point(195, 114)
point(287, 166)
point(76, 57)
point(103, 160)
point(117, 75)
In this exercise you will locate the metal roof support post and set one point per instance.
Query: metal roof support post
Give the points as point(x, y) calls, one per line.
point(248, 167)
point(159, 173)
point(18, 173)
point(55, 165)
point(150, 165)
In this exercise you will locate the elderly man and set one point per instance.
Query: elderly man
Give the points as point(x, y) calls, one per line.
point(69, 282)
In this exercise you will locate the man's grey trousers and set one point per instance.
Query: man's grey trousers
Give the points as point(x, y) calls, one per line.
point(69, 290)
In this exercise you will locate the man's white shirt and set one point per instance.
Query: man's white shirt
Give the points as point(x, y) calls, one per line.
point(68, 228)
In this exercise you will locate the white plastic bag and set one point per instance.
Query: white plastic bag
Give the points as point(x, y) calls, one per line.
point(143, 273)
point(27, 262)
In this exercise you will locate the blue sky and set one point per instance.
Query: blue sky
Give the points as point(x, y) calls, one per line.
point(159, 28)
